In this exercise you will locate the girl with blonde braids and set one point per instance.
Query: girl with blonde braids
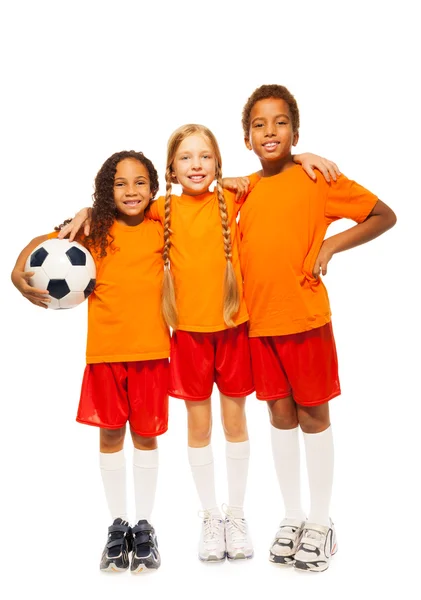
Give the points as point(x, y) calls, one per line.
point(203, 303)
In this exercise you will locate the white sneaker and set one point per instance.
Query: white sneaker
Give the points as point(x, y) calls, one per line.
point(212, 538)
point(316, 547)
point(237, 536)
point(286, 541)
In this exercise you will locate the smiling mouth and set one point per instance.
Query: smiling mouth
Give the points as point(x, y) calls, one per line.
point(131, 202)
point(196, 178)
point(271, 145)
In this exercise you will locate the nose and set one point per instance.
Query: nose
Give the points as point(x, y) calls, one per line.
point(195, 163)
point(131, 190)
point(269, 130)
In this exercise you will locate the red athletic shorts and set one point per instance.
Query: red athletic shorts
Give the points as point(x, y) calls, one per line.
point(304, 365)
point(114, 393)
point(200, 359)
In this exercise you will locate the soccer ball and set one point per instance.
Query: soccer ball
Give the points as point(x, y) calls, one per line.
point(66, 269)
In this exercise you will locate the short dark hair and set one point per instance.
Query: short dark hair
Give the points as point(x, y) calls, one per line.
point(270, 91)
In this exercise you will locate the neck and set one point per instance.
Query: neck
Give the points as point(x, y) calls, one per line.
point(194, 193)
point(130, 221)
point(269, 169)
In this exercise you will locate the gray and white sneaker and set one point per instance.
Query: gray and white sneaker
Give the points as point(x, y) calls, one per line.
point(317, 546)
point(237, 536)
point(286, 541)
point(212, 538)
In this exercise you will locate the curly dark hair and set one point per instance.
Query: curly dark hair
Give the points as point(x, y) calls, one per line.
point(270, 91)
point(103, 210)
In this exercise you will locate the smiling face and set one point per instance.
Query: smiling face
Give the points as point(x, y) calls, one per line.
point(271, 134)
point(132, 192)
point(194, 164)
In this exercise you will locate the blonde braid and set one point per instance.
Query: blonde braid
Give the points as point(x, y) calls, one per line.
point(169, 306)
point(231, 291)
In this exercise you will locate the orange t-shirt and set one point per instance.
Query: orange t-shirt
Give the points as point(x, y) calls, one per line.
point(125, 323)
point(282, 227)
point(198, 260)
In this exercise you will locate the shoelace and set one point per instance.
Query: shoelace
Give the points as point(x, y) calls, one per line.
point(211, 524)
point(236, 526)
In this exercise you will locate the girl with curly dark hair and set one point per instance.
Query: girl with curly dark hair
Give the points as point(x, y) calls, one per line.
point(126, 376)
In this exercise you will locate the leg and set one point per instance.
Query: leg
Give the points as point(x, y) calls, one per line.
point(318, 441)
point(238, 541)
point(212, 538)
point(145, 474)
point(113, 470)
point(286, 453)
point(318, 541)
point(148, 398)
point(115, 556)
point(237, 450)
point(199, 423)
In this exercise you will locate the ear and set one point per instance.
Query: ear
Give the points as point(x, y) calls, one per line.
point(247, 143)
point(295, 137)
point(173, 177)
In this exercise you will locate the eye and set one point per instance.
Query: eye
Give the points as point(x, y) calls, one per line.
point(282, 123)
point(256, 125)
point(118, 184)
point(141, 183)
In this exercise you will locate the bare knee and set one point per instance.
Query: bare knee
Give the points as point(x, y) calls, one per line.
point(233, 417)
point(283, 413)
point(111, 440)
point(143, 443)
point(199, 423)
point(314, 419)
point(235, 429)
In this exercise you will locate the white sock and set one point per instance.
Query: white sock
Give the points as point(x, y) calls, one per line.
point(201, 463)
point(113, 473)
point(145, 473)
point(319, 454)
point(286, 455)
point(237, 454)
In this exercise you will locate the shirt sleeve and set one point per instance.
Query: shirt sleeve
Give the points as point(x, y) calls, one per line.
point(254, 178)
point(346, 199)
point(155, 212)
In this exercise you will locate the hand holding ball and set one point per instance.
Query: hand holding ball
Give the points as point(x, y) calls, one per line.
point(66, 269)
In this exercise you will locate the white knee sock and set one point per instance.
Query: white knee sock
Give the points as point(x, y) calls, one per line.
point(113, 473)
point(286, 455)
point(201, 463)
point(145, 474)
point(237, 454)
point(319, 454)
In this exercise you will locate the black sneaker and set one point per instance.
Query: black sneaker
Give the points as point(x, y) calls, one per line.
point(115, 556)
point(145, 555)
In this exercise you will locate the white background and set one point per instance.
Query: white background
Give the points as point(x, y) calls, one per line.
point(82, 80)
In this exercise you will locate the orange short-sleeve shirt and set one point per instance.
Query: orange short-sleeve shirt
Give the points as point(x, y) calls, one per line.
point(198, 260)
point(125, 323)
point(282, 227)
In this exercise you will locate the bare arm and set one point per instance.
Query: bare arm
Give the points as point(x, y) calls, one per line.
point(20, 277)
point(378, 221)
point(310, 161)
point(81, 219)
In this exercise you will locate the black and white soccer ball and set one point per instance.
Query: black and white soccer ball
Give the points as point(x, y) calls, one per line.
point(66, 269)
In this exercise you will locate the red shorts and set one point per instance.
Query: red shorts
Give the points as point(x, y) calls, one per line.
point(114, 393)
point(304, 365)
point(200, 359)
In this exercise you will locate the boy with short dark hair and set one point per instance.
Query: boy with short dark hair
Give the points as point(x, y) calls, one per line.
point(283, 224)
